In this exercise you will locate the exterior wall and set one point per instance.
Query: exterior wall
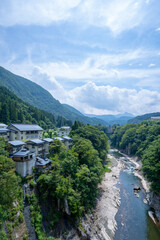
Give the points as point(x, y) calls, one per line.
point(68, 144)
point(24, 135)
point(5, 136)
point(64, 132)
point(25, 168)
point(37, 149)
point(46, 147)
point(15, 149)
point(12, 136)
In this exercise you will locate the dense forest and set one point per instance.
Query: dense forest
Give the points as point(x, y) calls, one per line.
point(11, 192)
point(70, 187)
point(62, 193)
point(142, 140)
point(13, 109)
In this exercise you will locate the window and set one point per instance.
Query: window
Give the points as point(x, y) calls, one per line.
point(22, 137)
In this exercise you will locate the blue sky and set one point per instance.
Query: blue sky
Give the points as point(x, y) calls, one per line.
point(100, 56)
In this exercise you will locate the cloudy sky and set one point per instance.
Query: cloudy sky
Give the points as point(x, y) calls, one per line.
point(100, 56)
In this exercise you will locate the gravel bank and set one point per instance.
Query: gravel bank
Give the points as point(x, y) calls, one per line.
point(101, 224)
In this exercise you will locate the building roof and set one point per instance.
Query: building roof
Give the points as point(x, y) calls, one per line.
point(59, 138)
point(155, 118)
point(49, 140)
point(41, 161)
point(65, 127)
point(35, 141)
point(4, 130)
point(16, 143)
point(2, 125)
point(26, 127)
point(22, 153)
point(67, 138)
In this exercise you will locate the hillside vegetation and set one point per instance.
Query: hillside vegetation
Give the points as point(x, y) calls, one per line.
point(141, 118)
point(142, 140)
point(37, 96)
point(13, 109)
point(62, 194)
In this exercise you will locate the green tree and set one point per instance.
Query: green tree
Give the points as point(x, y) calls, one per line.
point(151, 164)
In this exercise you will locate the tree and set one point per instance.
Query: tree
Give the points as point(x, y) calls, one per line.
point(56, 147)
point(151, 164)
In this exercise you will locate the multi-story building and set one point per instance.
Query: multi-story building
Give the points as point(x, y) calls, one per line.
point(24, 162)
point(36, 146)
point(5, 133)
point(20, 131)
point(64, 131)
point(16, 146)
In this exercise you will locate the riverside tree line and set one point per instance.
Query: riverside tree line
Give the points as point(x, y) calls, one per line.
point(142, 140)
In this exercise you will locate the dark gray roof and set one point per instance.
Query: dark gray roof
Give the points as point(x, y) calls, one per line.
point(67, 138)
point(48, 140)
point(22, 153)
point(35, 141)
point(26, 127)
point(41, 161)
point(16, 143)
point(4, 130)
point(3, 125)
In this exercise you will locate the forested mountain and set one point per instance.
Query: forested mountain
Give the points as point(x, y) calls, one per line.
point(85, 119)
point(141, 118)
point(37, 96)
point(13, 109)
point(142, 140)
point(120, 119)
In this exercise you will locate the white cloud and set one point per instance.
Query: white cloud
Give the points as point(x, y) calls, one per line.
point(37, 12)
point(158, 29)
point(90, 98)
point(151, 65)
point(100, 66)
point(101, 99)
point(117, 15)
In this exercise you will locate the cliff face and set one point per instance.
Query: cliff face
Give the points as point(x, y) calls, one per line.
point(155, 204)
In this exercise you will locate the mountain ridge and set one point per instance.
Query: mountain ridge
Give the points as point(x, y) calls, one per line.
point(37, 96)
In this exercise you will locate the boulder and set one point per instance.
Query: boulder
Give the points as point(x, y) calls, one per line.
point(137, 188)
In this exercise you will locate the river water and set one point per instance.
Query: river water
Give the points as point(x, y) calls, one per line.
point(133, 222)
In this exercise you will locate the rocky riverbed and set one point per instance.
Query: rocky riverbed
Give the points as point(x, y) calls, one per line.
point(152, 198)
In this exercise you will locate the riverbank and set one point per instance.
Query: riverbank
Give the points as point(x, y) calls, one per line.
point(101, 224)
point(138, 172)
point(152, 198)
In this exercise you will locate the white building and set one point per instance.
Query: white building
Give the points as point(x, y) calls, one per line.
point(64, 131)
point(16, 146)
point(27, 148)
point(2, 125)
point(5, 133)
point(36, 146)
point(24, 162)
point(155, 118)
point(67, 142)
point(20, 131)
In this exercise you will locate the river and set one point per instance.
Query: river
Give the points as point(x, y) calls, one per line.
point(133, 221)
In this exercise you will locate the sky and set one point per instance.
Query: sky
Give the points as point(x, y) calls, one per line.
point(99, 56)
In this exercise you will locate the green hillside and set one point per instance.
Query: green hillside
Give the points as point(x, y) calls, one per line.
point(13, 109)
point(141, 118)
point(37, 96)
